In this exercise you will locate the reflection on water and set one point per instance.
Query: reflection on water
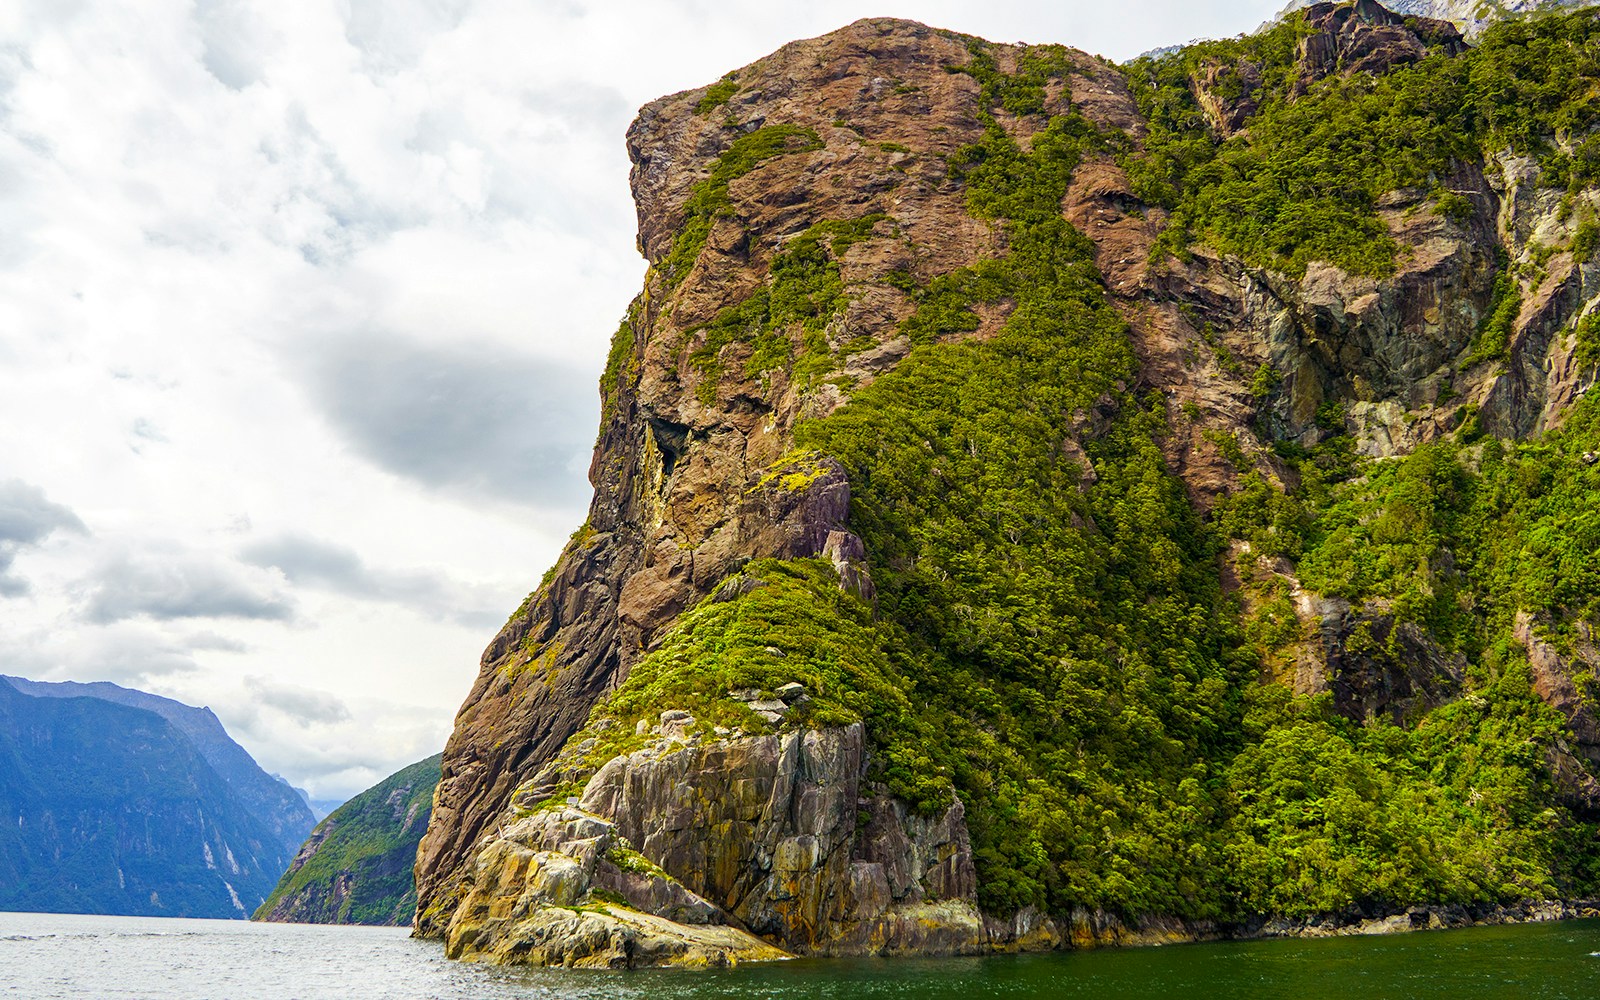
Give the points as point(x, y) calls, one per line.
point(51, 956)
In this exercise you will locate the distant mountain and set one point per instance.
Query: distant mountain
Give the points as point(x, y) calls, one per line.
point(111, 808)
point(356, 866)
point(273, 800)
point(1469, 15)
point(320, 808)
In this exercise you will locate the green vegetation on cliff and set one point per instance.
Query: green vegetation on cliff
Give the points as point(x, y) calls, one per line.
point(1050, 639)
point(1457, 538)
point(356, 866)
point(1302, 184)
point(1053, 581)
point(804, 291)
point(709, 199)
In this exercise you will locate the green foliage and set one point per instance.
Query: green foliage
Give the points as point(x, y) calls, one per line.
point(708, 200)
point(1585, 240)
point(774, 623)
point(1050, 640)
point(1303, 182)
point(1587, 334)
point(1063, 631)
point(621, 365)
point(1332, 815)
point(1264, 382)
point(1457, 538)
point(1460, 551)
point(1494, 337)
point(804, 291)
point(717, 95)
point(369, 844)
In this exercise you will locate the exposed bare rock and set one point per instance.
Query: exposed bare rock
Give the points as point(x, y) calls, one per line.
point(1556, 680)
point(777, 835)
point(1367, 37)
point(552, 889)
point(1469, 17)
point(682, 494)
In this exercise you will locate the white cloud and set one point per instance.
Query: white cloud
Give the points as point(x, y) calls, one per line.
point(338, 273)
point(164, 583)
point(27, 519)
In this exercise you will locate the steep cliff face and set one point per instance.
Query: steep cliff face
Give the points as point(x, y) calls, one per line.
point(107, 808)
point(273, 800)
point(978, 478)
point(1471, 16)
point(825, 130)
point(356, 867)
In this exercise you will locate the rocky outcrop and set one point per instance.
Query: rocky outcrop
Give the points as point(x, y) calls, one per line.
point(679, 498)
point(1380, 668)
point(1367, 37)
point(1341, 39)
point(678, 471)
point(562, 887)
point(777, 835)
point(1470, 16)
point(704, 849)
point(1566, 682)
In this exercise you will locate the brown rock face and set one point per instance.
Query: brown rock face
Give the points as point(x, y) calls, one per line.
point(677, 472)
point(778, 835)
point(1366, 37)
point(694, 474)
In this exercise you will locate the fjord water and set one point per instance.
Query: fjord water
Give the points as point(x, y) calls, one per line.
point(50, 956)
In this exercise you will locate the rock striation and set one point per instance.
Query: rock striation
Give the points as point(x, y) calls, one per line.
point(558, 838)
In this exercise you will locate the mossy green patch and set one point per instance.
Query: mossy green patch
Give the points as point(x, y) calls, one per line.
point(708, 200)
point(717, 95)
point(803, 293)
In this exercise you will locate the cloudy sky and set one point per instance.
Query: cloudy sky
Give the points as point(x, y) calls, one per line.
point(302, 304)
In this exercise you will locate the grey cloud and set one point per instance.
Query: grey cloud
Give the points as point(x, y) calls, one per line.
point(232, 38)
point(167, 585)
point(27, 518)
point(393, 34)
point(478, 421)
point(303, 706)
point(125, 653)
point(312, 562)
point(214, 642)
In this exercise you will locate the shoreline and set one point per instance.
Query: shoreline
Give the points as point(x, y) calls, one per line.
point(1092, 931)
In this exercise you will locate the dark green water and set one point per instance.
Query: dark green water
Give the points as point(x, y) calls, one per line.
point(120, 958)
point(1536, 962)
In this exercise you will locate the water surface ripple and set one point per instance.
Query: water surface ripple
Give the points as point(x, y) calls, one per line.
point(47, 956)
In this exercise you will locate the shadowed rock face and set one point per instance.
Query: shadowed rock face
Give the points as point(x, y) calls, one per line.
point(1469, 16)
point(674, 468)
point(782, 836)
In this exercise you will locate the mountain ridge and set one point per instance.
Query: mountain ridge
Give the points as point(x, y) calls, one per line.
point(356, 866)
point(282, 807)
point(110, 808)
